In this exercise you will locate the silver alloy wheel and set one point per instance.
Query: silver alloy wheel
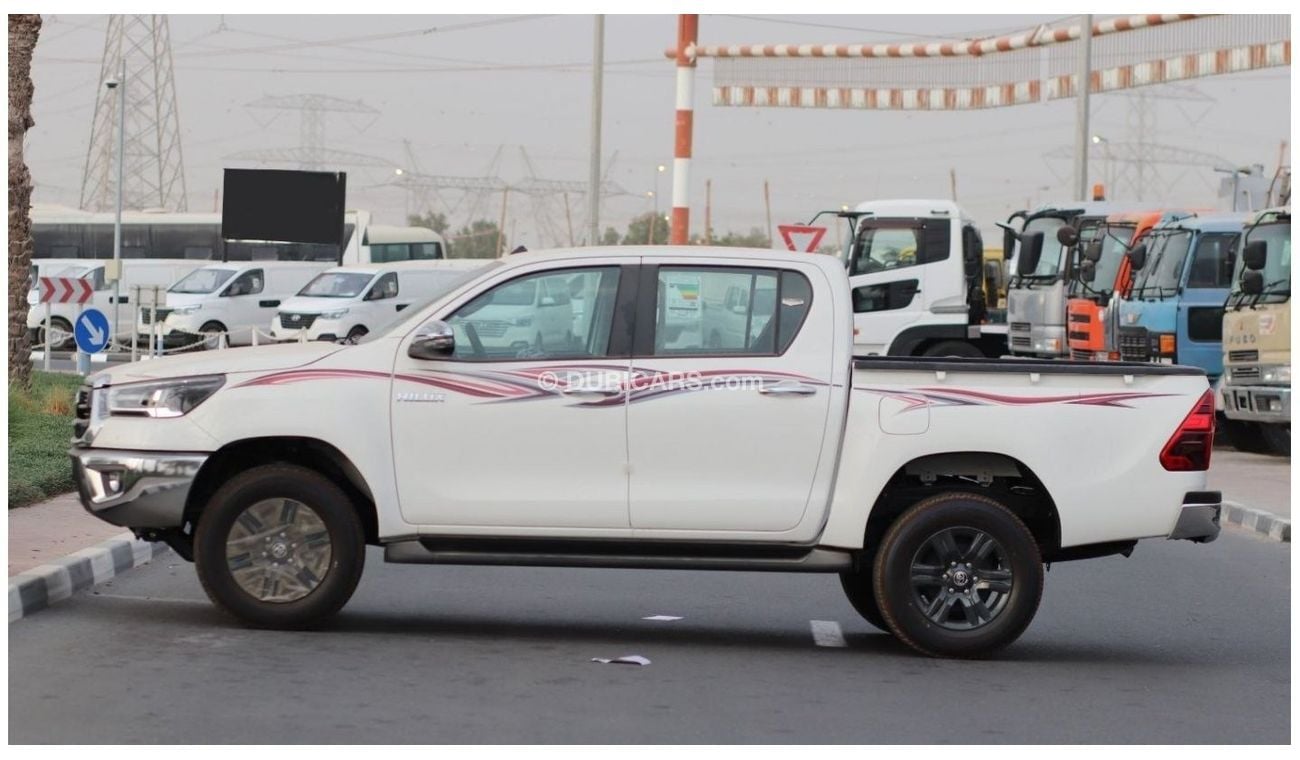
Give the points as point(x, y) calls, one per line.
point(278, 550)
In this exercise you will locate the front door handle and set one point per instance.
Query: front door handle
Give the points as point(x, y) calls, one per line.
point(788, 388)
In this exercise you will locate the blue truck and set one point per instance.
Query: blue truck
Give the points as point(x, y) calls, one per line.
point(1182, 275)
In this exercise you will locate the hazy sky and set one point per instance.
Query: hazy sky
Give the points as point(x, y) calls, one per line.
point(461, 94)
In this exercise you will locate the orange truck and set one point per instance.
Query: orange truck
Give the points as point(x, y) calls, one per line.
point(1103, 271)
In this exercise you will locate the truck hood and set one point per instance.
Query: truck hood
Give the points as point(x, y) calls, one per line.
point(253, 359)
point(316, 304)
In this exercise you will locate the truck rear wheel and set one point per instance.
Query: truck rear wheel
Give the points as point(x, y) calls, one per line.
point(862, 595)
point(958, 575)
point(954, 348)
point(279, 546)
point(1277, 438)
point(1245, 436)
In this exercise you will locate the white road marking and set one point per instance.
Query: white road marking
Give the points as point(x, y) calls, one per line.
point(827, 633)
point(661, 617)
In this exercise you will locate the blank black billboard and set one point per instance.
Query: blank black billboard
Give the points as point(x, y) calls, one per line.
point(283, 206)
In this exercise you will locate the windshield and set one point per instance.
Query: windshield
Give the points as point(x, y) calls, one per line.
point(1115, 239)
point(1049, 265)
point(202, 281)
point(1277, 268)
point(336, 285)
point(442, 290)
point(1164, 266)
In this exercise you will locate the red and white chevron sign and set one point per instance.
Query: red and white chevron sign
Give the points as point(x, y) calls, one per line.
point(66, 290)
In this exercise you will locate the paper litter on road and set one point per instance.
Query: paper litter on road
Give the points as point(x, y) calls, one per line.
point(628, 659)
point(662, 617)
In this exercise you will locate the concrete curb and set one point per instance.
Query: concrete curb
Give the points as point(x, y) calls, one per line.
point(38, 588)
point(1265, 524)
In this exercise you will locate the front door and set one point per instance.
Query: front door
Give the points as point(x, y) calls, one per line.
point(729, 398)
point(525, 424)
point(887, 275)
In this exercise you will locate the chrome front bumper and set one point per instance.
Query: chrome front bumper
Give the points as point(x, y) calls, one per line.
point(1257, 403)
point(1199, 519)
point(135, 489)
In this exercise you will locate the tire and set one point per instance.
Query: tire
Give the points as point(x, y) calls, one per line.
point(357, 333)
point(1245, 436)
point(211, 335)
point(940, 624)
point(59, 325)
point(861, 592)
point(334, 567)
point(954, 348)
point(1277, 438)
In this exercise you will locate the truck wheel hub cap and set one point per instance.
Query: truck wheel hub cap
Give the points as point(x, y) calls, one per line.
point(278, 550)
point(961, 578)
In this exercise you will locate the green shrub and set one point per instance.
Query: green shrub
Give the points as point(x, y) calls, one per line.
point(40, 428)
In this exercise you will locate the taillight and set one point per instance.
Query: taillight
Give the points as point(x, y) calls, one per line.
point(1189, 447)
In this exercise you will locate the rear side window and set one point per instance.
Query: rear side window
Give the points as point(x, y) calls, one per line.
point(728, 311)
point(385, 287)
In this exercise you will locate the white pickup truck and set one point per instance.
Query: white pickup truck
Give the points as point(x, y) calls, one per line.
point(935, 487)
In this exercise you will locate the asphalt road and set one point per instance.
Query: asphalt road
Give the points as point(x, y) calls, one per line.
point(1180, 643)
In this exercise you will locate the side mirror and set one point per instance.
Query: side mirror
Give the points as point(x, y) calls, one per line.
point(1009, 239)
point(1092, 251)
point(1067, 235)
point(1255, 255)
point(1088, 271)
point(1137, 258)
point(1252, 282)
point(434, 340)
point(1031, 250)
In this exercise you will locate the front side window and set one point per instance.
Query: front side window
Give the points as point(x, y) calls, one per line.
point(247, 284)
point(1049, 264)
point(1212, 260)
point(385, 287)
point(881, 249)
point(728, 311)
point(1115, 241)
point(202, 281)
point(533, 318)
point(884, 296)
point(336, 285)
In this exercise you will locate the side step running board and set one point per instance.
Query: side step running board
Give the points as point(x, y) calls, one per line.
point(648, 555)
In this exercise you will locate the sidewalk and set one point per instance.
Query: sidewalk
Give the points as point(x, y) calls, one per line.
point(49, 530)
point(1253, 480)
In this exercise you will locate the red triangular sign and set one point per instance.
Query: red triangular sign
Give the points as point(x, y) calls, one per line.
point(801, 237)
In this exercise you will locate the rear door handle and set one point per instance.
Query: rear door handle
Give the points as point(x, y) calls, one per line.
point(788, 388)
point(592, 392)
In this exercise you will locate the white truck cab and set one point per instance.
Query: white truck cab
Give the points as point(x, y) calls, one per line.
point(935, 488)
point(231, 299)
point(349, 302)
point(915, 267)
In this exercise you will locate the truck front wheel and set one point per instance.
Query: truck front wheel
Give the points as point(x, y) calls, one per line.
point(958, 575)
point(279, 546)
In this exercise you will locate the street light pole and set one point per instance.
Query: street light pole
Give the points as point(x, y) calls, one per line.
point(593, 176)
point(1083, 86)
point(117, 221)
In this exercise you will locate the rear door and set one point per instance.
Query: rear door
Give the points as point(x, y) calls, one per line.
point(728, 403)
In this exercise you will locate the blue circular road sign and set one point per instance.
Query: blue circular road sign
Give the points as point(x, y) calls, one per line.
point(91, 331)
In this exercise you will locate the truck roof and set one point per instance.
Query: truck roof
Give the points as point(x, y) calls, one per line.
point(1210, 223)
point(913, 207)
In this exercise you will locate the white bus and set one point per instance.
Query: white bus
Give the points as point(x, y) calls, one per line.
point(159, 248)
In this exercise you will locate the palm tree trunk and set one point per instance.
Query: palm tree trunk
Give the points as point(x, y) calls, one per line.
point(23, 31)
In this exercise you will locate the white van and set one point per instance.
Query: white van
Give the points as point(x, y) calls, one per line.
point(235, 298)
point(135, 273)
point(349, 302)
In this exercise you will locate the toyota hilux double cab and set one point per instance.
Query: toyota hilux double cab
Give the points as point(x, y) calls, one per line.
point(935, 488)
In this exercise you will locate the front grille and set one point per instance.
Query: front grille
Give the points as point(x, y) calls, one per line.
point(1134, 345)
point(1243, 356)
point(81, 412)
point(295, 321)
point(1080, 355)
point(1245, 373)
point(1021, 341)
point(1082, 318)
point(146, 315)
point(1078, 335)
point(1020, 327)
point(490, 328)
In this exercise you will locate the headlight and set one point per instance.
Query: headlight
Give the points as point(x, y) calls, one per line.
point(333, 314)
point(183, 310)
point(33, 298)
point(163, 398)
point(1276, 374)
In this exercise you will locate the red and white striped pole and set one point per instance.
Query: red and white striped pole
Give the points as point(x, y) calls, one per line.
point(688, 26)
